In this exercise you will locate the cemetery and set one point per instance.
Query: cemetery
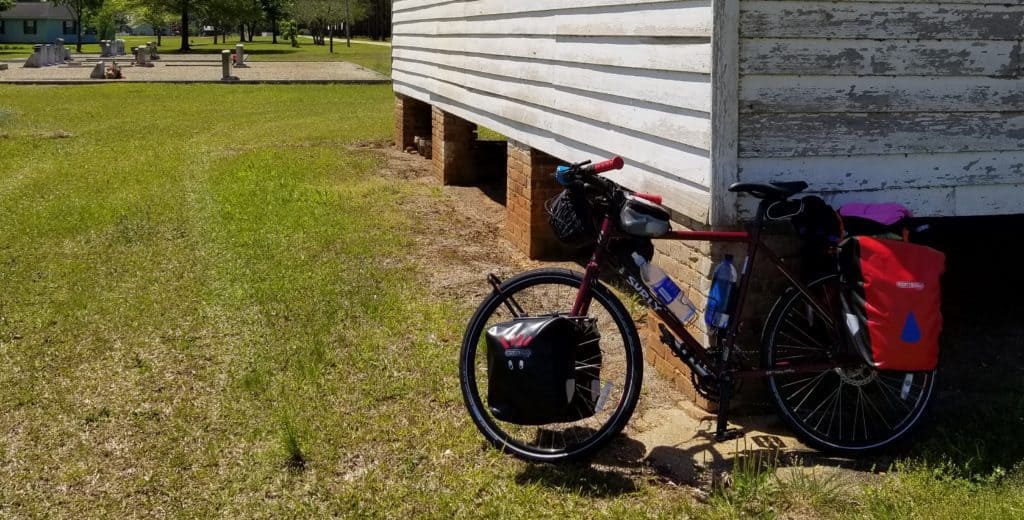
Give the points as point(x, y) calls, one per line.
point(117, 61)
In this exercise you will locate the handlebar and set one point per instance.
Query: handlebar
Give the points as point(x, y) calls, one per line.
point(567, 174)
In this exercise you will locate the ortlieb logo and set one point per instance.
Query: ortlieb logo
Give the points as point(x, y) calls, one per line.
point(521, 340)
point(917, 286)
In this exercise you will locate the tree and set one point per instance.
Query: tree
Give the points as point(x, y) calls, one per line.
point(111, 15)
point(274, 10)
point(79, 9)
point(6, 4)
point(155, 13)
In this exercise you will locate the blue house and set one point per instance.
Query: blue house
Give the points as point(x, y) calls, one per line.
point(39, 22)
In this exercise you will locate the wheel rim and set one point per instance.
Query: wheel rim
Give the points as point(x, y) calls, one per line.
point(849, 407)
point(616, 381)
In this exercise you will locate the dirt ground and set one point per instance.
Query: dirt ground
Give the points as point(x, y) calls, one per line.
point(668, 435)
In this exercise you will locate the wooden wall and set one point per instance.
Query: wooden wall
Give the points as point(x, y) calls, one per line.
point(897, 101)
point(577, 79)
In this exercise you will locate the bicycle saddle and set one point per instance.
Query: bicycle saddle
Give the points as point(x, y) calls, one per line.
point(770, 191)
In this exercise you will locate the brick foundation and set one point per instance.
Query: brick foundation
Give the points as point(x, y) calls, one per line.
point(453, 149)
point(531, 183)
point(412, 120)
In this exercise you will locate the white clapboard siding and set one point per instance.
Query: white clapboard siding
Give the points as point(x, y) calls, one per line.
point(788, 94)
point(787, 135)
point(772, 19)
point(880, 58)
point(909, 101)
point(658, 154)
point(680, 54)
point(693, 20)
point(879, 172)
point(638, 116)
point(686, 198)
point(411, 10)
point(687, 90)
point(578, 79)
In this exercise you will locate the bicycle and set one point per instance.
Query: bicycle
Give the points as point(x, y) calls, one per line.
point(828, 396)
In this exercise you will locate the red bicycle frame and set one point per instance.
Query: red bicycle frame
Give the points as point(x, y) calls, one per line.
point(689, 348)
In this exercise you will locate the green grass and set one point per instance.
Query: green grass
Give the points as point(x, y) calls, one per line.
point(374, 57)
point(225, 321)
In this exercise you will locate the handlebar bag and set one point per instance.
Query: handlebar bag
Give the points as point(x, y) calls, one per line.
point(892, 301)
point(543, 370)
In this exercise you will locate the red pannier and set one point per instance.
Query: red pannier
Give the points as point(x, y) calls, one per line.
point(892, 301)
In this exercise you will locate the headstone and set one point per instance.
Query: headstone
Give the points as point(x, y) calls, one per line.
point(105, 49)
point(36, 59)
point(119, 44)
point(98, 70)
point(225, 66)
point(63, 54)
point(142, 57)
point(49, 54)
point(153, 54)
point(240, 56)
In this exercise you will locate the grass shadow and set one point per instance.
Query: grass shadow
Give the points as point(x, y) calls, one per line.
point(579, 479)
point(605, 475)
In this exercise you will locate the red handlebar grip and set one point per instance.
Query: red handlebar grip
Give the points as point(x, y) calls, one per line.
point(649, 197)
point(615, 163)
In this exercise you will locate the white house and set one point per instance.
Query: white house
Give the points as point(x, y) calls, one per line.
point(908, 101)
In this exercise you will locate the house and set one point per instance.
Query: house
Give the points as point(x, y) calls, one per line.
point(894, 100)
point(39, 22)
point(901, 100)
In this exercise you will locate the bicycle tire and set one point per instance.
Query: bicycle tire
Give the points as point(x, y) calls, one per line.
point(804, 400)
point(623, 356)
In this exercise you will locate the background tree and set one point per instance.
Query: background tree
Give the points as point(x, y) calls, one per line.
point(186, 9)
point(112, 15)
point(6, 4)
point(274, 10)
point(155, 13)
point(290, 31)
point(80, 9)
point(355, 11)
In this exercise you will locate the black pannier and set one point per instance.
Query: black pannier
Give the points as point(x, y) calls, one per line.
point(543, 370)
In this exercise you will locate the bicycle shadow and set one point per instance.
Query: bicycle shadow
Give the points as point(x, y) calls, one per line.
point(609, 474)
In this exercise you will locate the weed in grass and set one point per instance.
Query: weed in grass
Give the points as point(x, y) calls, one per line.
point(294, 458)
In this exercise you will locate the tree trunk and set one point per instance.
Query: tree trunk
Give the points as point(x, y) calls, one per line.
point(215, 35)
point(241, 33)
point(273, 29)
point(158, 33)
point(348, 23)
point(330, 36)
point(78, 34)
point(184, 28)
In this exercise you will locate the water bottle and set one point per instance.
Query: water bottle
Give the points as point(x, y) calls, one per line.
point(667, 292)
point(723, 284)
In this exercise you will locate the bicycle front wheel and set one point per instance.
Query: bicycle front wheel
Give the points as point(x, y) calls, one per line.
point(849, 409)
point(546, 292)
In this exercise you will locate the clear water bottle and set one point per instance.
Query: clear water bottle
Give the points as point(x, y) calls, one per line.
point(723, 285)
point(667, 292)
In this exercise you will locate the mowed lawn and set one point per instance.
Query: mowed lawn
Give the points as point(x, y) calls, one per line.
point(208, 308)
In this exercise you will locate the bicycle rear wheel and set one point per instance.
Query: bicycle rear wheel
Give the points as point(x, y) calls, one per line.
point(546, 292)
point(851, 409)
